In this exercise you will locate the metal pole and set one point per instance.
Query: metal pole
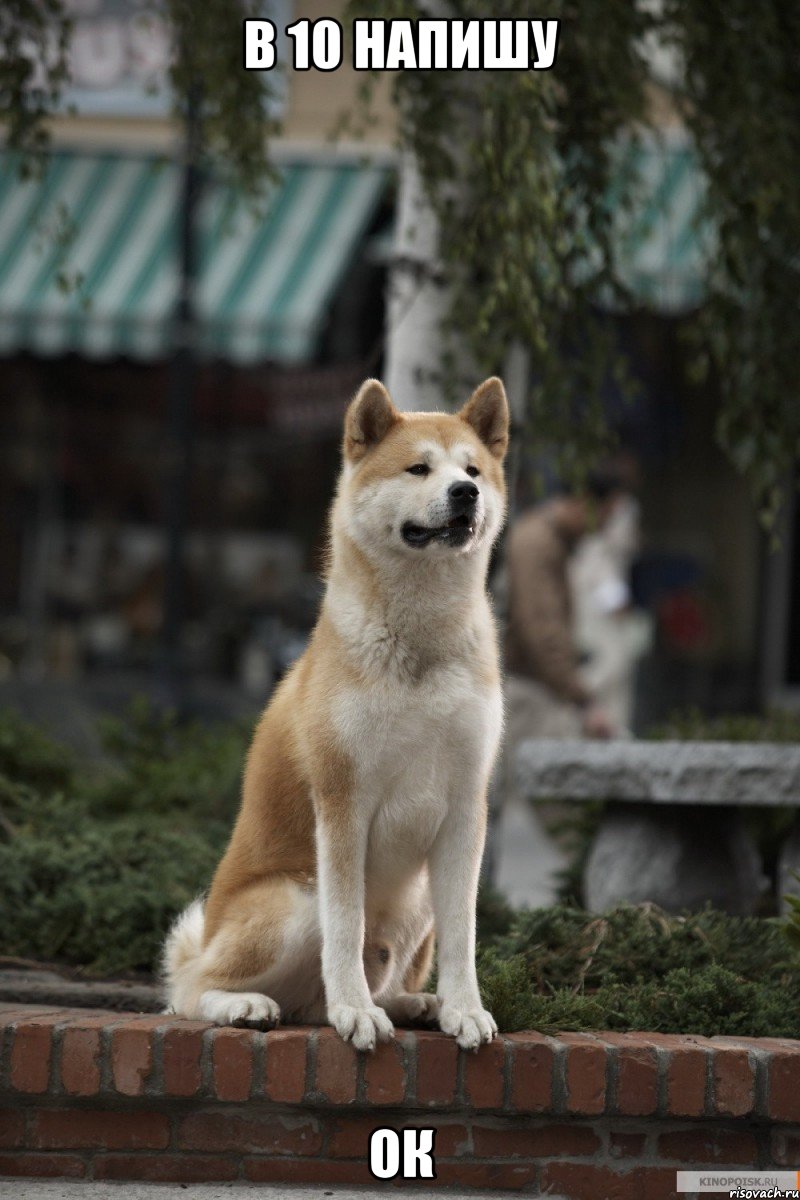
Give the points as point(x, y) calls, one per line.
point(516, 374)
point(182, 379)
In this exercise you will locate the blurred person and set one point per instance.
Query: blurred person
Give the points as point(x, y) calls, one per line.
point(547, 695)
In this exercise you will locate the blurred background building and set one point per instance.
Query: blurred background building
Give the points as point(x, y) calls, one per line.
point(288, 317)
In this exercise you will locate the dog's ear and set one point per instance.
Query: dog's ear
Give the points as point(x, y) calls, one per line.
point(369, 418)
point(487, 412)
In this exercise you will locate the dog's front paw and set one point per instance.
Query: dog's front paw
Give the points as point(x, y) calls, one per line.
point(468, 1025)
point(361, 1026)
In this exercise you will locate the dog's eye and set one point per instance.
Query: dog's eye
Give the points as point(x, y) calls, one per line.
point(472, 471)
point(419, 469)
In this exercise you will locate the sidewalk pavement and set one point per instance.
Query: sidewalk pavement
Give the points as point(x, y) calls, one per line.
point(56, 1189)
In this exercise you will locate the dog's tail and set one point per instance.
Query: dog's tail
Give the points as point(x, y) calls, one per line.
point(180, 959)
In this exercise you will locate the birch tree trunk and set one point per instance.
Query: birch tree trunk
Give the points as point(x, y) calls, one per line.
point(417, 299)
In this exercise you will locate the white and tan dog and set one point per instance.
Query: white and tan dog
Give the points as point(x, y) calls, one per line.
point(364, 803)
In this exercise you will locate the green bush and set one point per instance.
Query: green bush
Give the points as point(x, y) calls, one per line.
point(30, 756)
point(95, 863)
point(710, 1002)
point(637, 968)
point(691, 725)
point(96, 860)
point(100, 895)
point(161, 766)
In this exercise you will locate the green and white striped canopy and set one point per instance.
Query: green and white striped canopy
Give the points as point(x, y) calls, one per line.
point(88, 252)
point(88, 257)
point(662, 243)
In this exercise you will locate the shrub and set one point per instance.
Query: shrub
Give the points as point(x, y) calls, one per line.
point(100, 894)
point(159, 765)
point(638, 968)
point(691, 725)
point(28, 755)
point(95, 863)
point(96, 860)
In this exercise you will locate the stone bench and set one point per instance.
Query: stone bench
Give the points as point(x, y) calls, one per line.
point(672, 832)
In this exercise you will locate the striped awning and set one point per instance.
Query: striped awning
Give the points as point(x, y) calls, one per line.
point(89, 257)
point(662, 244)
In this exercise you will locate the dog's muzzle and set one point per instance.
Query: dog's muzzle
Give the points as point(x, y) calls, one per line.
point(460, 526)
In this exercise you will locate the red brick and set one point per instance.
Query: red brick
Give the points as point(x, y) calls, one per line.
point(451, 1140)
point(286, 1065)
point(132, 1058)
point(74, 1129)
point(688, 1057)
point(581, 1181)
point(673, 1041)
point(79, 1017)
point(31, 1054)
point(508, 1176)
point(484, 1075)
point(232, 1063)
point(182, 1050)
point(145, 1020)
point(51, 1166)
point(437, 1064)
point(658, 1183)
point(709, 1146)
point(626, 1145)
point(751, 1043)
point(267, 1132)
point(585, 1074)
point(785, 1148)
point(306, 1170)
point(532, 1061)
point(80, 1061)
point(12, 1128)
point(687, 1071)
point(571, 1141)
point(734, 1083)
point(385, 1073)
point(349, 1136)
point(531, 1141)
point(166, 1168)
point(784, 1085)
point(337, 1068)
point(637, 1074)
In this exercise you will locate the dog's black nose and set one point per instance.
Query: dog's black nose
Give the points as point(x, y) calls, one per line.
point(462, 494)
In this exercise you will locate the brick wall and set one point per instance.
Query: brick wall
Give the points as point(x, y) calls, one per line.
point(104, 1095)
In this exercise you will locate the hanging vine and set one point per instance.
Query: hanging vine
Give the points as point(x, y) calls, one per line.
point(207, 51)
point(742, 106)
point(520, 168)
point(34, 36)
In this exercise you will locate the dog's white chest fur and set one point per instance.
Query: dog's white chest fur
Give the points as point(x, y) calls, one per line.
point(414, 747)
